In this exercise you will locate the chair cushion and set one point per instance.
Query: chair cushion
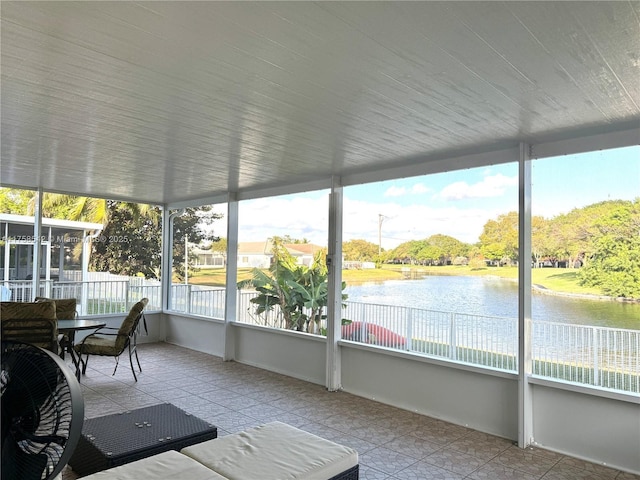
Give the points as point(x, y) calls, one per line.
point(169, 465)
point(274, 451)
point(129, 324)
point(97, 344)
point(30, 322)
point(65, 307)
point(129, 321)
point(112, 344)
point(27, 310)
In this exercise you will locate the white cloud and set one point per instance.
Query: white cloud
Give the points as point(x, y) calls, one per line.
point(417, 189)
point(491, 186)
point(308, 218)
point(394, 191)
point(411, 222)
point(420, 188)
point(298, 217)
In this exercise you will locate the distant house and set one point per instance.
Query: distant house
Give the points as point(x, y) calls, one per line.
point(255, 255)
point(304, 252)
point(64, 244)
point(260, 254)
point(207, 258)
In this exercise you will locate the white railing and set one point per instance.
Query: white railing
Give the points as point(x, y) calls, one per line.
point(245, 312)
point(198, 300)
point(117, 295)
point(94, 297)
point(598, 356)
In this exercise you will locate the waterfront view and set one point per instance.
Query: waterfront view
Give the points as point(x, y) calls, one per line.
point(472, 320)
point(492, 296)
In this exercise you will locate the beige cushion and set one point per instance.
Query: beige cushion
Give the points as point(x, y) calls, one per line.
point(30, 322)
point(169, 465)
point(66, 308)
point(112, 344)
point(275, 451)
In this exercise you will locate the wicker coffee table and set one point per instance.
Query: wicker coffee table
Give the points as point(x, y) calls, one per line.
point(121, 438)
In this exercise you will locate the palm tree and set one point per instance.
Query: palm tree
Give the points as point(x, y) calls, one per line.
point(299, 291)
point(70, 207)
point(87, 209)
point(84, 209)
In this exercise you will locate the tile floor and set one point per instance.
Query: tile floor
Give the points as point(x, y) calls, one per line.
point(392, 444)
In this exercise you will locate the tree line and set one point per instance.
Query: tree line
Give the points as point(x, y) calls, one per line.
point(602, 240)
point(133, 231)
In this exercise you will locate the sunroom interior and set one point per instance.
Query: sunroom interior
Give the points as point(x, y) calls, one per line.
point(182, 104)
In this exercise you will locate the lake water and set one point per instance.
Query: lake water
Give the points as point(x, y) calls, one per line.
point(493, 297)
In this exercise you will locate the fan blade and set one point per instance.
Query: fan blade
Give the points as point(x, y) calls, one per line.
point(19, 465)
point(42, 413)
point(43, 439)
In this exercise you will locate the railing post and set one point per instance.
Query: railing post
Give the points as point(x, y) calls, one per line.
point(84, 298)
point(364, 338)
point(126, 295)
point(596, 351)
point(453, 353)
point(187, 307)
point(409, 332)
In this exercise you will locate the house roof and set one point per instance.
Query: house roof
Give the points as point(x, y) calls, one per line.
point(251, 248)
point(264, 248)
point(303, 248)
point(50, 222)
point(181, 103)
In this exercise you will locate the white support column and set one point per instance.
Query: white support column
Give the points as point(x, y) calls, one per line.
point(37, 232)
point(231, 291)
point(167, 257)
point(525, 394)
point(87, 239)
point(61, 259)
point(47, 269)
point(334, 300)
point(7, 253)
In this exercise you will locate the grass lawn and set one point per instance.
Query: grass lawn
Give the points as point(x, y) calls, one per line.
point(216, 277)
point(555, 279)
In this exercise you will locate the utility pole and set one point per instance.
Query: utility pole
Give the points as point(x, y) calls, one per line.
point(186, 259)
point(380, 219)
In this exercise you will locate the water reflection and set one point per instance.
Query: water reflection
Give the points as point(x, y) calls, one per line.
point(494, 297)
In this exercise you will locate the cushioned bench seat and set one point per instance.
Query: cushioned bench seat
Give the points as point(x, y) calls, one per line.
point(275, 451)
point(169, 465)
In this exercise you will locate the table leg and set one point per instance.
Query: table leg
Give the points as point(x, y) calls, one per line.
point(77, 360)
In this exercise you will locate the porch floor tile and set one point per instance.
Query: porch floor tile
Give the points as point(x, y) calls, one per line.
point(393, 445)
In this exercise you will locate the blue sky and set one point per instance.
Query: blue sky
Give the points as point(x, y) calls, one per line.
point(455, 203)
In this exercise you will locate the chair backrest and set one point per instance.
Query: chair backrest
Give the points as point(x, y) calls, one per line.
point(66, 308)
point(30, 322)
point(130, 323)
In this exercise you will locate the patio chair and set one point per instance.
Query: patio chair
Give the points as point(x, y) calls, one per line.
point(66, 309)
point(31, 322)
point(109, 341)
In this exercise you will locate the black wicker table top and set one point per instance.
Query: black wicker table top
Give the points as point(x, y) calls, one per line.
point(143, 428)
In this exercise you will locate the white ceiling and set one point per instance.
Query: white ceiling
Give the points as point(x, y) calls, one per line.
point(165, 102)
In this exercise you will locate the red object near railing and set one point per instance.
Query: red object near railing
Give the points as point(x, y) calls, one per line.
point(373, 334)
